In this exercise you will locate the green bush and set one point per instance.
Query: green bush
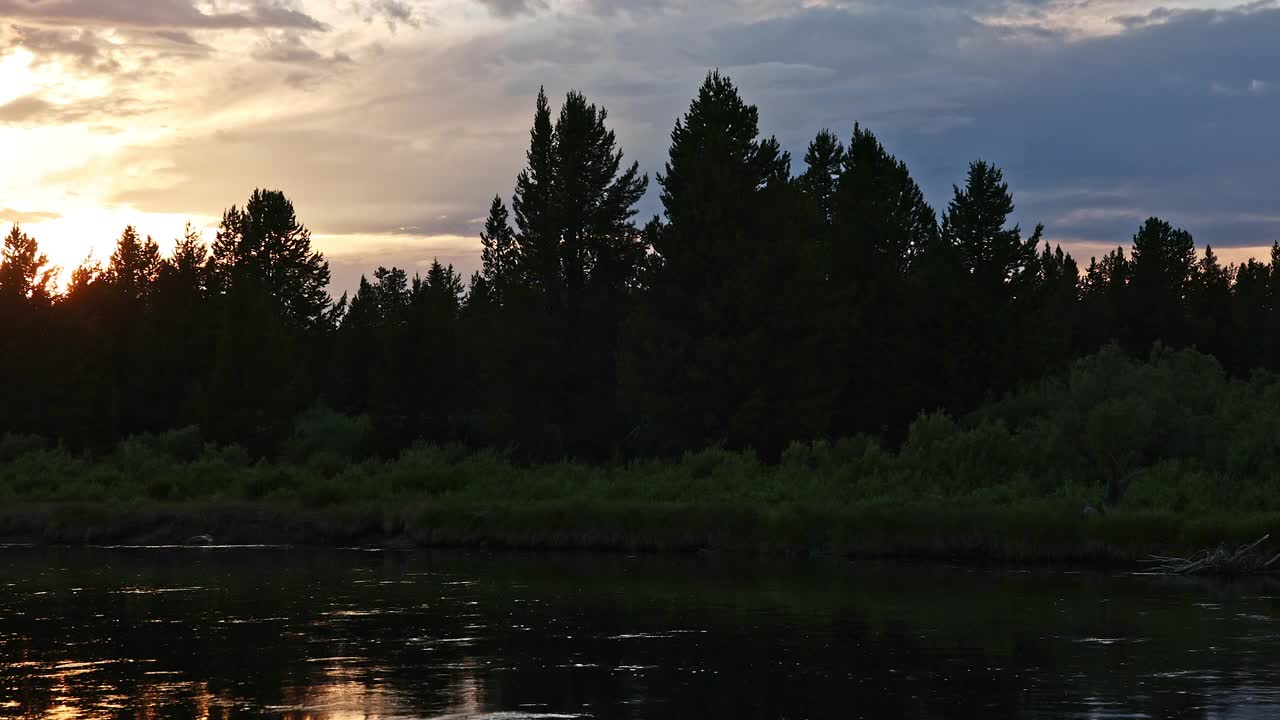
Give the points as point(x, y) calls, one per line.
point(1174, 432)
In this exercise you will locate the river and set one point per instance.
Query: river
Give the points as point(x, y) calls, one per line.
point(343, 634)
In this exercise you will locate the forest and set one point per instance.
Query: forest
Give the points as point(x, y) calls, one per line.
point(772, 306)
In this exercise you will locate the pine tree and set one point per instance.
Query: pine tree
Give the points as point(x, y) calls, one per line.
point(1163, 267)
point(189, 258)
point(995, 256)
point(134, 266)
point(273, 310)
point(25, 273)
point(716, 164)
point(880, 223)
point(538, 237)
point(1210, 304)
point(181, 329)
point(732, 283)
point(824, 164)
point(265, 245)
point(595, 203)
point(995, 274)
point(881, 215)
point(499, 252)
point(28, 379)
point(1164, 259)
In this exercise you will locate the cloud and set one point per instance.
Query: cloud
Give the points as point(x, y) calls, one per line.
point(82, 47)
point(393, 12)
point(344, 181)
point(372, 131)
point(513, 8)
point(291, 48)
point(9, 215)
point(156, 14)
point(33, 111)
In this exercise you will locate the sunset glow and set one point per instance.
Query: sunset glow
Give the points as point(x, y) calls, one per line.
point(394, 123)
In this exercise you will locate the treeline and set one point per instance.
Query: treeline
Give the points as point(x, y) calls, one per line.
point(768, 304)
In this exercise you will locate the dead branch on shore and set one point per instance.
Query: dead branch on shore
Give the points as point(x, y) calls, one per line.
point(1219, 561)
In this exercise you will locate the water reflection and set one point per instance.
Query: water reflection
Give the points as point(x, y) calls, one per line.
point(286, 633)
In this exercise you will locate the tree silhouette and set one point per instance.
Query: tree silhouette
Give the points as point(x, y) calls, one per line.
point(538, 239)
point(995, 256)
point(760, 308)
point(824, 164)
point(722, 292)
point(1163, 270)
point(25, 273)
point(498, 255)
point(264, 244)
point(881, 222)
point(134, 267)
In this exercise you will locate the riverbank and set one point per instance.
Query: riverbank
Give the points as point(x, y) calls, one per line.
point(1183, 456)
point(996, 535)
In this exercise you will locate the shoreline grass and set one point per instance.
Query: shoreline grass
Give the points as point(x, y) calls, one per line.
point(1183, 457)
point(1010, 534)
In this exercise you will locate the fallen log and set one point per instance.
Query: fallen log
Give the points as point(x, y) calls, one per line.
point(1221, 560)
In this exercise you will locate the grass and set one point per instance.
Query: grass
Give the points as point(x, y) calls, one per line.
point(852, 498)
point(1199, 453)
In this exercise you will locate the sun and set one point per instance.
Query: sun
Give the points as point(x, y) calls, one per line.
point(17, 76)
point(90, 234)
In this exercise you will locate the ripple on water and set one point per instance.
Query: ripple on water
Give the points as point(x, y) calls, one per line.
point(1103, 641)
point(511, 716)
point(157, 591)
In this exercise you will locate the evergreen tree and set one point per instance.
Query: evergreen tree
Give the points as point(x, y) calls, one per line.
point(1210, 305)
point(25, 273)
point(181, 332)
point(824, 163)
point(186, 267)
point(881, 215)
point(264, 245)
point(1251, 335)
point(1163, 270)
point(27, 376)
point(134, 266)
point(499, 252)
point(1164, 259)
point(1050, 330)
point(881, 222)
point(994, 255)
point(481, 297)
point(538, 239)
point(733, 283)
point(595, 202)
point(997, 270)
point(273, 311)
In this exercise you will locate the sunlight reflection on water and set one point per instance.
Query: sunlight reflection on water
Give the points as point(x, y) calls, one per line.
point(307, 635)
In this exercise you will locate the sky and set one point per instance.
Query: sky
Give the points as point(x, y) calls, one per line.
point(393, 123)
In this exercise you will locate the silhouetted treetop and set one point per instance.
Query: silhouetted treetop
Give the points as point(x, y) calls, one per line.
point(1164, 258)
point(975, 224)
point(498, 251)
point(824, 164)
point(880, 212)
point(134, 266)
point(25, 273)
point(716, 153)
point(264, 244)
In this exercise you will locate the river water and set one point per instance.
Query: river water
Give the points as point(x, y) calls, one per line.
point(337, 635)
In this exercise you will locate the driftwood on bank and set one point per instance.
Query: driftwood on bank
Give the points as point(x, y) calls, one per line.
point(1222, 560)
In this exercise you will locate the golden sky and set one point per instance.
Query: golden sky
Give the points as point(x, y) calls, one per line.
point(392, 123)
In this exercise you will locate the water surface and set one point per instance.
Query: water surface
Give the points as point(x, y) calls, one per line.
point(333, 635)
